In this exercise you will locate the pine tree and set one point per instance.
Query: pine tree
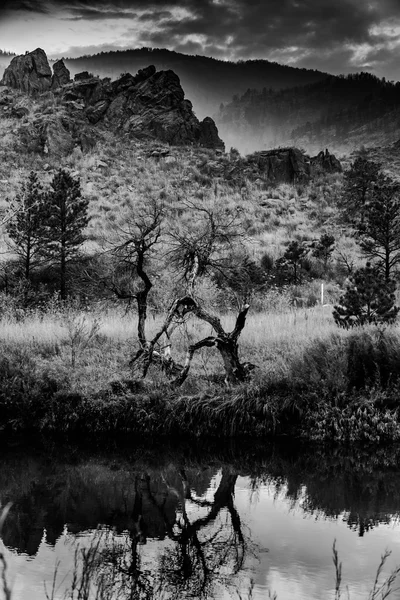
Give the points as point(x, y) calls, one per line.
point(26, 225)
point(323, 248)
point(66, 220)
point(293, 258)
point(369, 298)
point(358, 184)
point(380, 231)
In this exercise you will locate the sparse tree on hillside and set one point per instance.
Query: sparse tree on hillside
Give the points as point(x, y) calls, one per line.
point(289, 266)
point(323, 249)
point(358, 184)
point(66, 220)
point(380, 231)
point(25, 226)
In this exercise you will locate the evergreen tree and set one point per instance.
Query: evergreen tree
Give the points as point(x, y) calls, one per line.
point(323, 248)
point(358, 184)
point(291, 262)
point(25, 227)
point(66, 220)
point(369, 298)
point(380, 231)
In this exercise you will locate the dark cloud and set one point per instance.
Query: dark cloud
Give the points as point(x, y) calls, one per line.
point(95, 14)
point(8, 6)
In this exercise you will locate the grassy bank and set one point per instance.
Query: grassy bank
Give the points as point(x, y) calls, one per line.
point(68, 371)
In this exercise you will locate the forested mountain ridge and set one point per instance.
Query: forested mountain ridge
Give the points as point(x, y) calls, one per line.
point(207, 81)
point(340, 112)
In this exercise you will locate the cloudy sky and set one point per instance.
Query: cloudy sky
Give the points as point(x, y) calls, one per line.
point(333, 35)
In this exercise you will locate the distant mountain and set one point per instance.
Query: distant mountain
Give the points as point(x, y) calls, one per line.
point(340, 112)
point(207, 82)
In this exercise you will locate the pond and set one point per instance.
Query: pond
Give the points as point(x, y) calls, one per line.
point(238, 521)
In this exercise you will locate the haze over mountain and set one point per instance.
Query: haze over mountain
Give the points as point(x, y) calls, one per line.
point(206, 81)
point(341, 113)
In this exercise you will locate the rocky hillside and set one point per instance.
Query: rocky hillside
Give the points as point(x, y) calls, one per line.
point(55, 114)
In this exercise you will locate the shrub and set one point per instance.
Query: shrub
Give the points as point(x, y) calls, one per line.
point(369, 298)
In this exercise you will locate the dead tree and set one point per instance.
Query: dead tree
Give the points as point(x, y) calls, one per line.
point(195, 254)
point(133, 244)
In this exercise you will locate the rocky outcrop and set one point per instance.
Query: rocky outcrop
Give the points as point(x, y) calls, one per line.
point(30, 73)
point(325, 162)
point(209, 137)
point(149, 105)
point(61, 75)
point(282, 165)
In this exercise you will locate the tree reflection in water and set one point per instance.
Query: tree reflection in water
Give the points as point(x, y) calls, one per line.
point(164, 530)
point(206, 551)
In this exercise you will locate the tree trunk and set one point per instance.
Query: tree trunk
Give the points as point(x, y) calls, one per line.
point(235, 371)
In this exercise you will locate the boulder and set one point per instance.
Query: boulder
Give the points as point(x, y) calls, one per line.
point(61, 75)
point(94, 113)
point(283, 165)
point(325, 162)
point(87, 140)
point(209, 135)
point(82, 76)
point(29, 72)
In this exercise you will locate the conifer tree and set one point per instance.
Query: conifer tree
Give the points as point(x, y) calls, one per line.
point(291, 262)
point(358, 184)
point(369, 298)
point(66, 219)
point(323, 248)
point(25, 227)
point(380, 231)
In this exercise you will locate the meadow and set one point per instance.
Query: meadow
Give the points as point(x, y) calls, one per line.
point(69, 371)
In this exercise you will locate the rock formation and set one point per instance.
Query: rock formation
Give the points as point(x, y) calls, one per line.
point(281, 165)
point(284, 165)
point(325, 162)
point(61, 75)
point(30, 73)
point(150, 105)
point(209, 134)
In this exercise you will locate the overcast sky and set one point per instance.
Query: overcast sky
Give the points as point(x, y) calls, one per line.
point(337, 36)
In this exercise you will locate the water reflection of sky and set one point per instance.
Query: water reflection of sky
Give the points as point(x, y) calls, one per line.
point(299, 563)
point(288, 535)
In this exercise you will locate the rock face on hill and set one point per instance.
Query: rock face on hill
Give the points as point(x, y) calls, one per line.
point(290, 165)
point(149, 105)
point(146, 106)
point(30, 73)
point(281, 165)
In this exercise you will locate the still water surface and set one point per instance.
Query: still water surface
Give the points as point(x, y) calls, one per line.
point(239, 522)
